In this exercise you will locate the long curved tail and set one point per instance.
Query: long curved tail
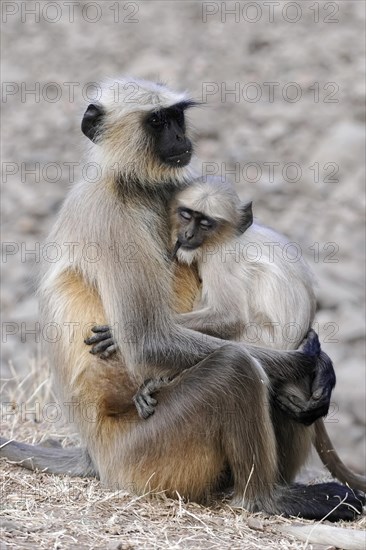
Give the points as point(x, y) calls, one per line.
point(74, 461)
point(332, 462)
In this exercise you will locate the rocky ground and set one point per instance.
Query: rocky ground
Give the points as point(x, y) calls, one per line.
point(291, 134)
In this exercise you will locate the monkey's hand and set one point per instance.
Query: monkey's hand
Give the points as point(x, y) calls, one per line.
point(322, 381)
point(102, 342)
point(298, 407)
point(145, 403)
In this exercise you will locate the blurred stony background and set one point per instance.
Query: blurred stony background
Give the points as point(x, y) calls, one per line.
point(321, 133)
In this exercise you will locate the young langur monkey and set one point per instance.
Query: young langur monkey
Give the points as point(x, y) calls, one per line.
point(249, 281)
point(268, 298)
point(214, 418)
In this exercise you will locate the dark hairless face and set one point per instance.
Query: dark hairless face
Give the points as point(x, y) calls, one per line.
point(167, 126)
point(193, 228)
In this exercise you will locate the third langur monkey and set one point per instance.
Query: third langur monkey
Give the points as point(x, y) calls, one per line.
point(213, 424)
point(247, 283)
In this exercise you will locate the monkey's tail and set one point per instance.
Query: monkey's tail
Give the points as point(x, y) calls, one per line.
point(322, 442)
point(332, 462)
point(71, 461)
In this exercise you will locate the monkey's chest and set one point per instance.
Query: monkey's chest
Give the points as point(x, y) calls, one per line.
point(186, 287)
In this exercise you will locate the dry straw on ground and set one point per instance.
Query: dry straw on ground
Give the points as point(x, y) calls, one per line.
point(44, 511)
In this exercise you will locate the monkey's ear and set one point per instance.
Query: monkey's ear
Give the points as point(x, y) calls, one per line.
point(91, 122)
point(246, 217)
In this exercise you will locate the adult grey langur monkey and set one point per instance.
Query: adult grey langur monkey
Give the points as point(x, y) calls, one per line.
point(247, 283)
point(213, 428)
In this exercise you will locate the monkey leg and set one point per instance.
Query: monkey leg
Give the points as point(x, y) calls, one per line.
point(171, 453)
point(294, 443)
point(331, 500)
point(250, 447)
point(211, 418)
point(216, 416)
point(294, 440)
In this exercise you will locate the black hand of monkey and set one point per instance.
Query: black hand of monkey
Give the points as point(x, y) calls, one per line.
point(322, 386)
point(307, 411)
point(144, 402)
point(102, 342)
point(104, 346)
point(303, 411)
point(323, 382)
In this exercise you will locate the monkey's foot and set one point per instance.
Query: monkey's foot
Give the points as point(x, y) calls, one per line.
point(144, 402)
point(102, 342)
point(331, 500)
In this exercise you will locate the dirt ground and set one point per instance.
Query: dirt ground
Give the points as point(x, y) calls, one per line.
point(283, 84)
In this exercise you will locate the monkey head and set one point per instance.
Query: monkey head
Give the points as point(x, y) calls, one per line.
point(193, 228)
point(142, 134)
point(207, 213)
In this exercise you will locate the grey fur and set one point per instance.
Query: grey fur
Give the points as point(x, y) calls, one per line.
point(214, 419)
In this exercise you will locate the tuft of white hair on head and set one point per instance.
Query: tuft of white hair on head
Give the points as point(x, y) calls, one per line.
point(213, 197)
point(131, 94)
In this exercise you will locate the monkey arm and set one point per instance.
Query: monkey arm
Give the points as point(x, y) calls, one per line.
point(136, 297)
point(321, 374)
point(206, 320)
point(308, 364)
point(136, 293)
point(286, 370)
point(286, 367)
point(287, 391)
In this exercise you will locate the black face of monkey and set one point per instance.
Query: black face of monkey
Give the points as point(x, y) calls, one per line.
point(167, 126)
point(193, 228)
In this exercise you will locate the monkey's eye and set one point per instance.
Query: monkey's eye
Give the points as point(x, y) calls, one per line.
point(185, 215)
point(156, 121)
point(205, 224)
